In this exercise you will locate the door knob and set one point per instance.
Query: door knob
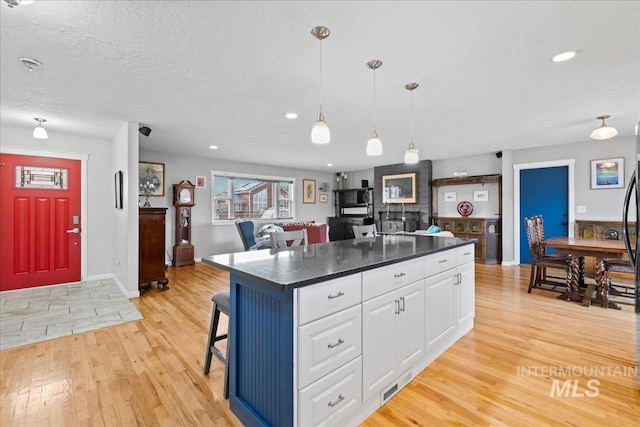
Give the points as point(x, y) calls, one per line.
point(74, 231)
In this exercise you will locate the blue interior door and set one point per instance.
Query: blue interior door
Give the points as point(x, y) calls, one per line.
point(544, 191)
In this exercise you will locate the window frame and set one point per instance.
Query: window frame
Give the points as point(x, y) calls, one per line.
point(266, 178)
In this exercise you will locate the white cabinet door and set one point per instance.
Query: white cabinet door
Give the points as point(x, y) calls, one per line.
point(440, 308)
point(466, 292)
point(410, 330)
point(379, 317)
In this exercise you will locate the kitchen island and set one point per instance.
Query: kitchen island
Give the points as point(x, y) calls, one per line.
point(325, 334)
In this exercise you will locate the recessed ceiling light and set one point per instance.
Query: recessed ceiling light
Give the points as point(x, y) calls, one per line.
point(564, 56)
point(291, 116)
point(213, 147)
point(329, 164)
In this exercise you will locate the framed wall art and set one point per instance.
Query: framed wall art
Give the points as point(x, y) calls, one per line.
point(400, 188)
point(201, 182)
point(607, 173)
point(150, 179)
point(323, 198)
point(481, 196)
point(308, 191)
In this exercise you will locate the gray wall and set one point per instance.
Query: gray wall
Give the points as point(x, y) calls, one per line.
point(223, 238)
point(423, 182)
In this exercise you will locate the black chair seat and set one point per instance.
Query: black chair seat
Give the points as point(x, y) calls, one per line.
point(221, 304)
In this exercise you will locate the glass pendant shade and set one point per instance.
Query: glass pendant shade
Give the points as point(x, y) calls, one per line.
point(412, 156)
point(320, 133)
point(39, 132)
point(374, 145)
point(604, 131)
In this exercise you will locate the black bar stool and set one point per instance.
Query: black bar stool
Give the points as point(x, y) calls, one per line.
point(221, 303)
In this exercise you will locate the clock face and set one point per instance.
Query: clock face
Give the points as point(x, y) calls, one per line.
point(185, 196)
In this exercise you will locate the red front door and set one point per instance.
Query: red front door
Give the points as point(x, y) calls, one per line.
point(39, 221)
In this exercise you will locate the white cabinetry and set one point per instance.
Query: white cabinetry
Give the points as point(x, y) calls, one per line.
point(329, 362)
point(392, 330)
point(449, 298)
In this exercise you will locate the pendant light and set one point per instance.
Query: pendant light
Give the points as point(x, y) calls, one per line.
point(411, 156)
point(374, 146)
point(320, 133)
point(40, 132)
point(604, 131)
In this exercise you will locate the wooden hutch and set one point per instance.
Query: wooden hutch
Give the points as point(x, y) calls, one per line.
point(488, 230)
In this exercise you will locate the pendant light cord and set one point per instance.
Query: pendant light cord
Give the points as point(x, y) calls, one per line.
point(374, 100)
point(321, 77)
point(411, 117)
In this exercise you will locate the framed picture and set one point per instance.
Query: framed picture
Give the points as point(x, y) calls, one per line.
point(150, 179)
point(323, 198)
point(481, 196)
point(118, 184)
point(450, 196)
point(607, 173)
point(308, 191)
point(323, 187)
point(400, 188)
point(201, 182)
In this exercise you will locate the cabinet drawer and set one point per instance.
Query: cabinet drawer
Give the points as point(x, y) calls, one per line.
point(328, 297)
point(330, 400)
point(465, 254)
point(386, 279)
point(328, 343)
point(439, 262)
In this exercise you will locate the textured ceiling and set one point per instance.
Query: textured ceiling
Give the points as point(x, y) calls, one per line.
point(225, 73)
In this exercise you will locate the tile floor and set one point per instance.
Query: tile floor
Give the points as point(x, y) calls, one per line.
point(37, 314)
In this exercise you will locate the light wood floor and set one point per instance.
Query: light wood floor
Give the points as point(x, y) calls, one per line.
point(149, 372)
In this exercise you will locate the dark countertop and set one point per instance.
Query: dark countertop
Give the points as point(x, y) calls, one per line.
point(285, 269)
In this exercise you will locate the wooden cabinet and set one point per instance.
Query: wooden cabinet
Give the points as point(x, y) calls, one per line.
point(484, 228)
point(151, 266)
point(601, 230)
point(487, 230)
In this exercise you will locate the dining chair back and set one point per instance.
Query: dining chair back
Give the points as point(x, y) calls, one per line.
point(540, 261)
point(364, 231)
point(285, 239)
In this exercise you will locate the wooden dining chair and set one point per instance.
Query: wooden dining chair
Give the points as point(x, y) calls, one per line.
point(285, 239)
point(539, 224)
point(609, 269)
point(541, 261)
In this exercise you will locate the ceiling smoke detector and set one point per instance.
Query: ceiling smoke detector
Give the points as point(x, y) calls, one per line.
point(30, 63)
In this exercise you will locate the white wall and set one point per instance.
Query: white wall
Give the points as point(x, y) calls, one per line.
point(215, 239)
point(98, 234)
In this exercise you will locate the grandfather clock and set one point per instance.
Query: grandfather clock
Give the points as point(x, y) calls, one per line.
point(183, 200)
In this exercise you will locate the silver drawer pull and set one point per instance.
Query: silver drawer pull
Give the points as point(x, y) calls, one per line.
point(340, 341)
point(467, 253)
point(340, 399)
point(339, 294)
point(442, 260)
point(398, 275)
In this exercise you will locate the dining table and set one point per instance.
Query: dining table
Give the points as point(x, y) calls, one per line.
point(598, 249)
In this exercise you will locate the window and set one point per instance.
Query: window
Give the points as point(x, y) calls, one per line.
point(237, 195)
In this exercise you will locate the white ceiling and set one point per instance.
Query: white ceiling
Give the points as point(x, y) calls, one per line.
point(225, 73)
